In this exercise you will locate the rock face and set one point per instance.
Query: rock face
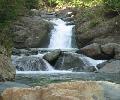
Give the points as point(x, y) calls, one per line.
point(92, 50)
point(7, 70)
point(106, 52)
point(80, 90)
point(93, 31)
point(51, 57)
point(29, 63)
point(112, 66)
point(71, 61)
point(31, 32)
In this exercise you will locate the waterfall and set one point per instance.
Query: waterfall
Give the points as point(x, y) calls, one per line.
point(60, 35)
point(31, 63)
point(61, 38)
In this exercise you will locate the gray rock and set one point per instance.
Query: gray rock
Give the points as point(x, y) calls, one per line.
point(52, 56)
point(92, 50)
point(68, 19)
point(109, 48)
point(104, 52)
point(103, 33)
point(31, 32)
point(27, 52)
point(71, 61)
point(111, 66)
point(29, 63)
point(70, 23)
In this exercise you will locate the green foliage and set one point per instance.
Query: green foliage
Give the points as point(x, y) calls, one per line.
point(31, 4)
point(10, 9)
point(112, 4)
point(72, 3)
point(93, 23)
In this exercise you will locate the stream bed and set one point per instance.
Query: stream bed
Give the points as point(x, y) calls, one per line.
point(44, 79)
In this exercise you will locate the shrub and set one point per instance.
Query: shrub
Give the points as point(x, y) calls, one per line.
point(113, 5)
point(31, 4)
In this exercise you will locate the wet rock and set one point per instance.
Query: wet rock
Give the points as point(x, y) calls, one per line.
point(68, 19)
point(71, 61)
point(29, 63)
point(31, 32)
point(49, 15)
point(52, 56)
point(26, 52)
point(70, 23)
point(16, 51)
point(79, 90)
point(111, 66)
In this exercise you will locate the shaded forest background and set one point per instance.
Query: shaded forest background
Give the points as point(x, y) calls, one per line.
point(10, 10)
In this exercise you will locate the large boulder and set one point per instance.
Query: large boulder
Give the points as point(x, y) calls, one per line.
point(52, 56)
point(29, 63)
point(79, 90)
point(7, 70)
point(93, 27)
point(111, 66)
point(104, 52)
point(92, 50)
point(31, 32)
point(72, 61)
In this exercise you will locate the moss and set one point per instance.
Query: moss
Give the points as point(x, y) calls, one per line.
point(89, 18)
point(93, 23)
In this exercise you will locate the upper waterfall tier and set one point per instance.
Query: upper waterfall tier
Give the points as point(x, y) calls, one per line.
point(61, 35)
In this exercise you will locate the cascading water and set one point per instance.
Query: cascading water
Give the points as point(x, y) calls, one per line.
point(61, 35)
point(61, 38)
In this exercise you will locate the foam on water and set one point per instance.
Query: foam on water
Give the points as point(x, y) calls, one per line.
point(61, 35)
point(44, 72)
point(61, 38)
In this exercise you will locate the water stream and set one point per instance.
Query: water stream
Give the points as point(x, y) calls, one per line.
point(61, 38)
point(61, 35)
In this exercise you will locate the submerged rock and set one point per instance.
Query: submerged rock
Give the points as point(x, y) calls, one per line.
point(29, 63)
point(71, 61)
point(52, 56)
point(79, 90)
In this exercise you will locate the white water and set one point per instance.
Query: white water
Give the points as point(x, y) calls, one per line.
point(91, 62)
point(61, 35)
point(48, 66)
